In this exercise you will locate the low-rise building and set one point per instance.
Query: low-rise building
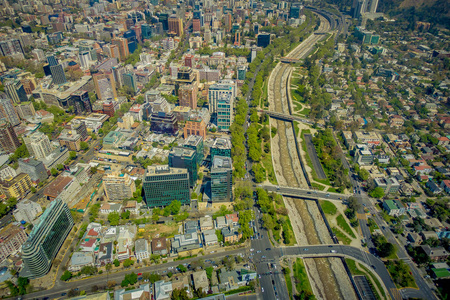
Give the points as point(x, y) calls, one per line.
point(80, 260)
point(108, 208)
point(118, 186)
point(105, 254)
point(435, 254)
point(389, 185)
point(162, 290)
point(231, 234)
point(394, 207)
point(210, 238)
point(143, 292)
point(186, 243)
point(141, 249)
point(159, 246)
point(27, 210)
point(200, 281)
point(206, 223)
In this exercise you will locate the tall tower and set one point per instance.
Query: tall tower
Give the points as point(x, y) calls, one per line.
point(122, 44)
point(8, 111)
point(176, 25)
point(9, 141)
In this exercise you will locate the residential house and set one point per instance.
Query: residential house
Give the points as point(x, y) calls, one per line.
point(141, 249)
point(206, 223)
point(434, 188)
point(435, 254)
point(108, 208)
point(230, 280)
point(200, 281)
point(159, 246)
point(132, 207)
point(80, 260)
point(191, 226)
point(429, 235)
point(162, 290)
point(181, 282)
point(88, 245)
point(414, 238)
point(394, 207)
point(186, 244)
point(143, 292)
point(231, 234)
point(445, 184)
point(221, 222)
point(232, 219)
point(105, 254)
point(209, 237)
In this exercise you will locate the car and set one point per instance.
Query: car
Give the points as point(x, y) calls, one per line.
point(330, 246)
point(63, 294)
point(268, 249)
point(327, 195)
point(259, 276)
point(259, 251)
point(364, 204)
point(306, 249)
point(273, 282)
point(76, 289)
point(252, 250)
point(263, 256)
point(373, 267)
point(262, 289)
point(139, 274)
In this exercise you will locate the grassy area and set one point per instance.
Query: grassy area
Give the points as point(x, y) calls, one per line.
point(318, 186)
point(328, 207)
point(239, 290)
point(296, 127)
point(287, 277)
point(301, 278)
point(393, 256)
point(305, 112)
point(333, 190)
point(297, 106)
point(344, 225)
point(341, 236)
point(401, 274)
point(267, 163)
point(361, 270)
point(372, 225)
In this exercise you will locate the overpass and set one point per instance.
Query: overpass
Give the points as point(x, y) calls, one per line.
point(289, 60)
point(289, 118)
point(304, 193)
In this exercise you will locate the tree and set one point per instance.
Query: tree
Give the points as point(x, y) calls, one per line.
point(209, 272)
point(72, 155)
point(116, 262)
point(181, 268)
point(363, 174)
point(377, 192)
point(175, 207)
point(60, 167)
point(128, 262)
point(114, 218)
point(66, 276)
point(54, 172)
point(180, 294)
point(84, 146)
point(33, 189)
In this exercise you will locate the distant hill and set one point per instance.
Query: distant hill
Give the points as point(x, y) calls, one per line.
point(434, 11)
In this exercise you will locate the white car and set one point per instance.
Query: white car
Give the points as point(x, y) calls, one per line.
point(251, 250)
point(262, 289)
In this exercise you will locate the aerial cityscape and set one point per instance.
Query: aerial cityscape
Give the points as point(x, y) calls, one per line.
point(164, 149)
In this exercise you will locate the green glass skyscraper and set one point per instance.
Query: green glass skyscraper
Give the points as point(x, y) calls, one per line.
point(221, 179)
point(180, 157)
point(46, 239)
point(163, 184)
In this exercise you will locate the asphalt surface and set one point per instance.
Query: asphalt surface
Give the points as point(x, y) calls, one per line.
point(314, 158)
point(304, 193)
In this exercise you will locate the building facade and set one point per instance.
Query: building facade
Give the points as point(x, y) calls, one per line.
point(118, 186)
point(221, 179)
point(38, 145)
point(180, 157)
point(46, 239)
point(9, 141)
point(163, 184)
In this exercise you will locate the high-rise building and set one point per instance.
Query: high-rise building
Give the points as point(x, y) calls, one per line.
point(118, 71)
point(34, 168)
point(46, 239)
point(58, 75)
point(221, 179)
point(12, 238)
point(237, 38)
point(224, 87)
point(118, 187)
point(263, 40)
point(187, 95)
point(38, 54)
point(188, 59)
point(17, 186)
point(195, 143)
point(122, 44)
point(85, 59)
point(9, 141)
point(28, 85)
point(241, 72)
point(129, 80)
point(181, 157)
point(38, 145)
point(25, 110)
point(10, 47)
point(163, 184)
point(108, 108)
point(195, 127)
point(175, 25)
point(373, 6)
point(221, 147)
point(81, 102)
point(16, 92)
point(162, 122)
point(146, 31)
point(8, 111)
point(295, 10)
point(105, 85)
point(52, 60)
point(225, 112)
